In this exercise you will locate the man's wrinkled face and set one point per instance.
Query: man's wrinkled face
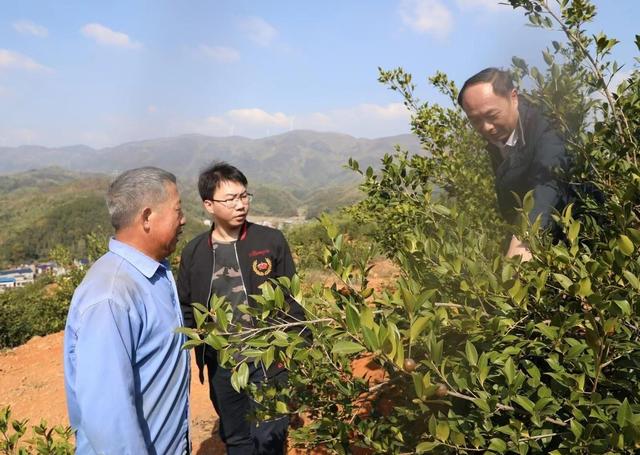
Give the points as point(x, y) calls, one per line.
point(167, 220)
point(493, 116)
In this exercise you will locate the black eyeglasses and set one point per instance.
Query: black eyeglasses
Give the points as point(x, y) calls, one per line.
point(230, 203)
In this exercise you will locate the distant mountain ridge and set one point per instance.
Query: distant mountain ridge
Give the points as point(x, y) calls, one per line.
point(298, 159)
point(51, 196)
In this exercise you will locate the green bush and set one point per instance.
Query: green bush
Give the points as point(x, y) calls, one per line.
point(41, 308)
point(45, 440)
point(308, 241)
point(481, 354)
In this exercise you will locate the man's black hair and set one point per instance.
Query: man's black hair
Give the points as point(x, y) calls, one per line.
point(214, 175)
point(501, 82)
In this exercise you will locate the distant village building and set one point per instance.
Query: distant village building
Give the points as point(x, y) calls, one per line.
point(26, 274)
point(50, 267)
point(6, 282)
point(17, 277)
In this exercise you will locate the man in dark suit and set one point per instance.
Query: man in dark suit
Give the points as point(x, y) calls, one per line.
point(526, 152)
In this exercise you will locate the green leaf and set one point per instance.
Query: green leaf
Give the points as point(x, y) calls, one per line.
point(576, 428)
point(346, 348)
point(528, 202)
point(509, 371)
point(482, 404)
point(526, 403)
point(498, 445)
point(632, 279)
point(626, 245)
point(370, 339)
point(426, 446)
point(269, 356)
point(634, 234)
point(584, 289)
point(281, 407)
point(548, 331)
point(191, 333)
point(418, 385)
point(564, 281)
point(199, 314)
point(278, 297)
point(442, 430)
point(624, 306)
point(483, 367)
point(624, 414)
point(234, 382)
point(417, 327)
point(191, 344)
point(366, 317)
point(574, 230)
point(243, 375)
point(215, 341)
point(472, 353)
point(353, 319)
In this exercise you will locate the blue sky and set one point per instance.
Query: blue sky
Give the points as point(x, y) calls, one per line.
point(103, 73)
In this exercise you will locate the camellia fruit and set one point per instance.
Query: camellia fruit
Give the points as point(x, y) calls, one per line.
point(441, 391)
point(409, 365)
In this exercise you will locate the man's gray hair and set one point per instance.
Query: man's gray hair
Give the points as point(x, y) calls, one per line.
point(132, 190)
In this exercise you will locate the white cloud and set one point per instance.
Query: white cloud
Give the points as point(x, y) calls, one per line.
point(364, 120)
point(492, 5)
point(29, 28)
point(258, 117)
point(14, 60)
point(220, 54)
point(107, 37)
point(258, 30)
point(426, 16)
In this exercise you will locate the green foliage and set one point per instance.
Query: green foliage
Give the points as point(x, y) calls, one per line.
point(510, 357)
point(42, 209)
point(41, 308)
point(308, 241)
point(45, 440)
point(452, 172)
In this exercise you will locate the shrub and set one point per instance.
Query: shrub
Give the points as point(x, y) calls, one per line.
point(481, 354)
point(45, 440)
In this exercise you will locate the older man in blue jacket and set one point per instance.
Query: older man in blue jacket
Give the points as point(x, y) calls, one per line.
point(526, 152)
point(126, 376)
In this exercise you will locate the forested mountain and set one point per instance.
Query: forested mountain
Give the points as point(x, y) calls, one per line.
point(305, 160)
point(51, 196)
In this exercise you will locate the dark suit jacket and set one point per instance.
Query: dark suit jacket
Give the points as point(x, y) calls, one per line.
point(538, 164)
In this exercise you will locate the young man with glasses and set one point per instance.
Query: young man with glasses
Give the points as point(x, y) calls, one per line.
point(232, 260)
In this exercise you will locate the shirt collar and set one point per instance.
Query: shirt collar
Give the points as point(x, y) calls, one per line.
point(146, 265)
point(513, 139)
point(516, 138)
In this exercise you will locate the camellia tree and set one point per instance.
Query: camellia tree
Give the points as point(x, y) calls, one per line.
point(478, 353)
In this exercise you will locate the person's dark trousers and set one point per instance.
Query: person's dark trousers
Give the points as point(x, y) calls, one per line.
point(239, 435)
